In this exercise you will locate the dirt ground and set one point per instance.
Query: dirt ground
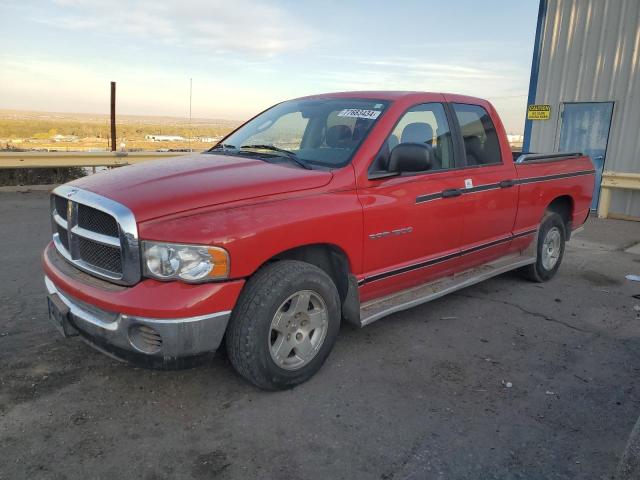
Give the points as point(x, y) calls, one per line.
point(420, 395)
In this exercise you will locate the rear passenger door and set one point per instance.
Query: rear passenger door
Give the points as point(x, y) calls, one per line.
point(488, 185)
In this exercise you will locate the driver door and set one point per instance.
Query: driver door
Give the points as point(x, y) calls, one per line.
point(413, 222)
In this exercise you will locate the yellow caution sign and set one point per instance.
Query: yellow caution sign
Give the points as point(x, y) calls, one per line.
point(538, 112)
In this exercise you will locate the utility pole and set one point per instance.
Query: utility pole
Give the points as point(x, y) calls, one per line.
point(113, 116)
point(190, 96)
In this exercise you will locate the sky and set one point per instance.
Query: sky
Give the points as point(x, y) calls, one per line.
point(245, 55)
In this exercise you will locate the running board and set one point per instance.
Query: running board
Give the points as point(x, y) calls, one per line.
point(381, 307)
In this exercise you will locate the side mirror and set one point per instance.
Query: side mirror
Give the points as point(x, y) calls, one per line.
point(411, 157)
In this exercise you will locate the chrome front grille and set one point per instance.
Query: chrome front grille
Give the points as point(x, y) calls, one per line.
point(97, 221)
point(96, 234)
point(61, 207)
point(63, 237)
point(102, 256)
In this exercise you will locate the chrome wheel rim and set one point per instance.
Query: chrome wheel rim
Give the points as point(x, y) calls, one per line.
point(298, 330)
point(551, 248)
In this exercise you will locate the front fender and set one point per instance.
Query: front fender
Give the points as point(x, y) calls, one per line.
point(255, 233)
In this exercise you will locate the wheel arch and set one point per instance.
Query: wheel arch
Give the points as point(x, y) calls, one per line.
point(335, 262)
point(564, 205)
point(330, 258)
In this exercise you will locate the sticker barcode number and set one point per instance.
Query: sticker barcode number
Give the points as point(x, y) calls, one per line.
point(359, 113)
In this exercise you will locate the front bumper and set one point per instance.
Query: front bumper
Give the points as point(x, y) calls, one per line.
point(159, 342)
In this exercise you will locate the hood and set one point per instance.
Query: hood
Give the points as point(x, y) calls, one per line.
point(163, 187)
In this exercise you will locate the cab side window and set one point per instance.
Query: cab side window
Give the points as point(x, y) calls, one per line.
point(425, 123)
point(481, 143)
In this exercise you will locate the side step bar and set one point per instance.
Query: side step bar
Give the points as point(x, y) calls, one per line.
point(396, 302)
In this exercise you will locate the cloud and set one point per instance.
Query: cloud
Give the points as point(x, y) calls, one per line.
point(83, 86)
point(411, 73)
point(501, 83)
point(216, 26)
point(26, 84)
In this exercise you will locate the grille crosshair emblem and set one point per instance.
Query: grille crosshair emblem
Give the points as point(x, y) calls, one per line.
point(69, 224)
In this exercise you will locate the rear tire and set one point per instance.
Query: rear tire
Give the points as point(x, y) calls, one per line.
point(284, 325)
point(550, 249)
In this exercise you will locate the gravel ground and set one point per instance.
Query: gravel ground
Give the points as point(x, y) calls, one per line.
point(420, 395)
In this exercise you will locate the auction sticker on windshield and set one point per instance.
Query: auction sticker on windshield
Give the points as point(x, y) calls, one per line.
point(359, 113)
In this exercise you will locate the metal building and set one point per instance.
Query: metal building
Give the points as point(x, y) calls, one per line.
point(586, 67)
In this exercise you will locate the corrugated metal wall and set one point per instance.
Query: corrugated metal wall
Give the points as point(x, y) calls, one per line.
point(590, 51)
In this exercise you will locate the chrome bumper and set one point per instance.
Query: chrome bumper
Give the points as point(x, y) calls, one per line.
point(163, 339)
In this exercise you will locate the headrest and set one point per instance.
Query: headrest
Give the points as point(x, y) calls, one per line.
point(473, 148)
point(417, 132)
point(338, 136)
point(360, 128)
point(473, 144)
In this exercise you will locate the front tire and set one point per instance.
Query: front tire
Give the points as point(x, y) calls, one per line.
point(550, 249)
point(284, 325)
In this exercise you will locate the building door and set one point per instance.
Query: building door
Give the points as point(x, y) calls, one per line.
point(585, 128)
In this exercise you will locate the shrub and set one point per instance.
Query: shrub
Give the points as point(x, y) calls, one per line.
point(39, 176)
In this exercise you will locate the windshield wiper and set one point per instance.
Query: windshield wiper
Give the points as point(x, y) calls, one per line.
point(224, 146)
point(287, 153)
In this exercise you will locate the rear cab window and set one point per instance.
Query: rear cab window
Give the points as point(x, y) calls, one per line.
point(480, 139)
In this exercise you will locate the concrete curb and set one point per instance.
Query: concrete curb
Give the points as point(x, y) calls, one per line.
point(28, 188)
point(629, 466)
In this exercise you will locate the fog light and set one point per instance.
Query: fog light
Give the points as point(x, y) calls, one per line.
point(145, 339)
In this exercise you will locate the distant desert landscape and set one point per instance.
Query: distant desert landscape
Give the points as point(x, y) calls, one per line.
point(66, 132)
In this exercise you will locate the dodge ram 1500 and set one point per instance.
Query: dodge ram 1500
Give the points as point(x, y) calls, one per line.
point(329, 208)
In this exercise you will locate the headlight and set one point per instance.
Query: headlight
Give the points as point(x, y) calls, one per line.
point(190, 263)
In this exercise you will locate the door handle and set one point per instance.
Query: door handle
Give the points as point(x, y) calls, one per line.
point(507, 183)
point(452, 192)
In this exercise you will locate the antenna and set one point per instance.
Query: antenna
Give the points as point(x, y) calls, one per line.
point(190, 97)
point(113, 116)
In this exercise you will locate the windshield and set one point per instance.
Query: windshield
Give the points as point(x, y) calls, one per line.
point(312, 132)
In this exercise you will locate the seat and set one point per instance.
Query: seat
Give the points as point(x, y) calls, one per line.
point(473, 149)
point(382, 160)
point(338, 136)
point(492, 148)
point(438, 151)
point(392, 141)
point(360, 129)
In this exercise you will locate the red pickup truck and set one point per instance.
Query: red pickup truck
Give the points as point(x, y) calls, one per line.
point(346, 206)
